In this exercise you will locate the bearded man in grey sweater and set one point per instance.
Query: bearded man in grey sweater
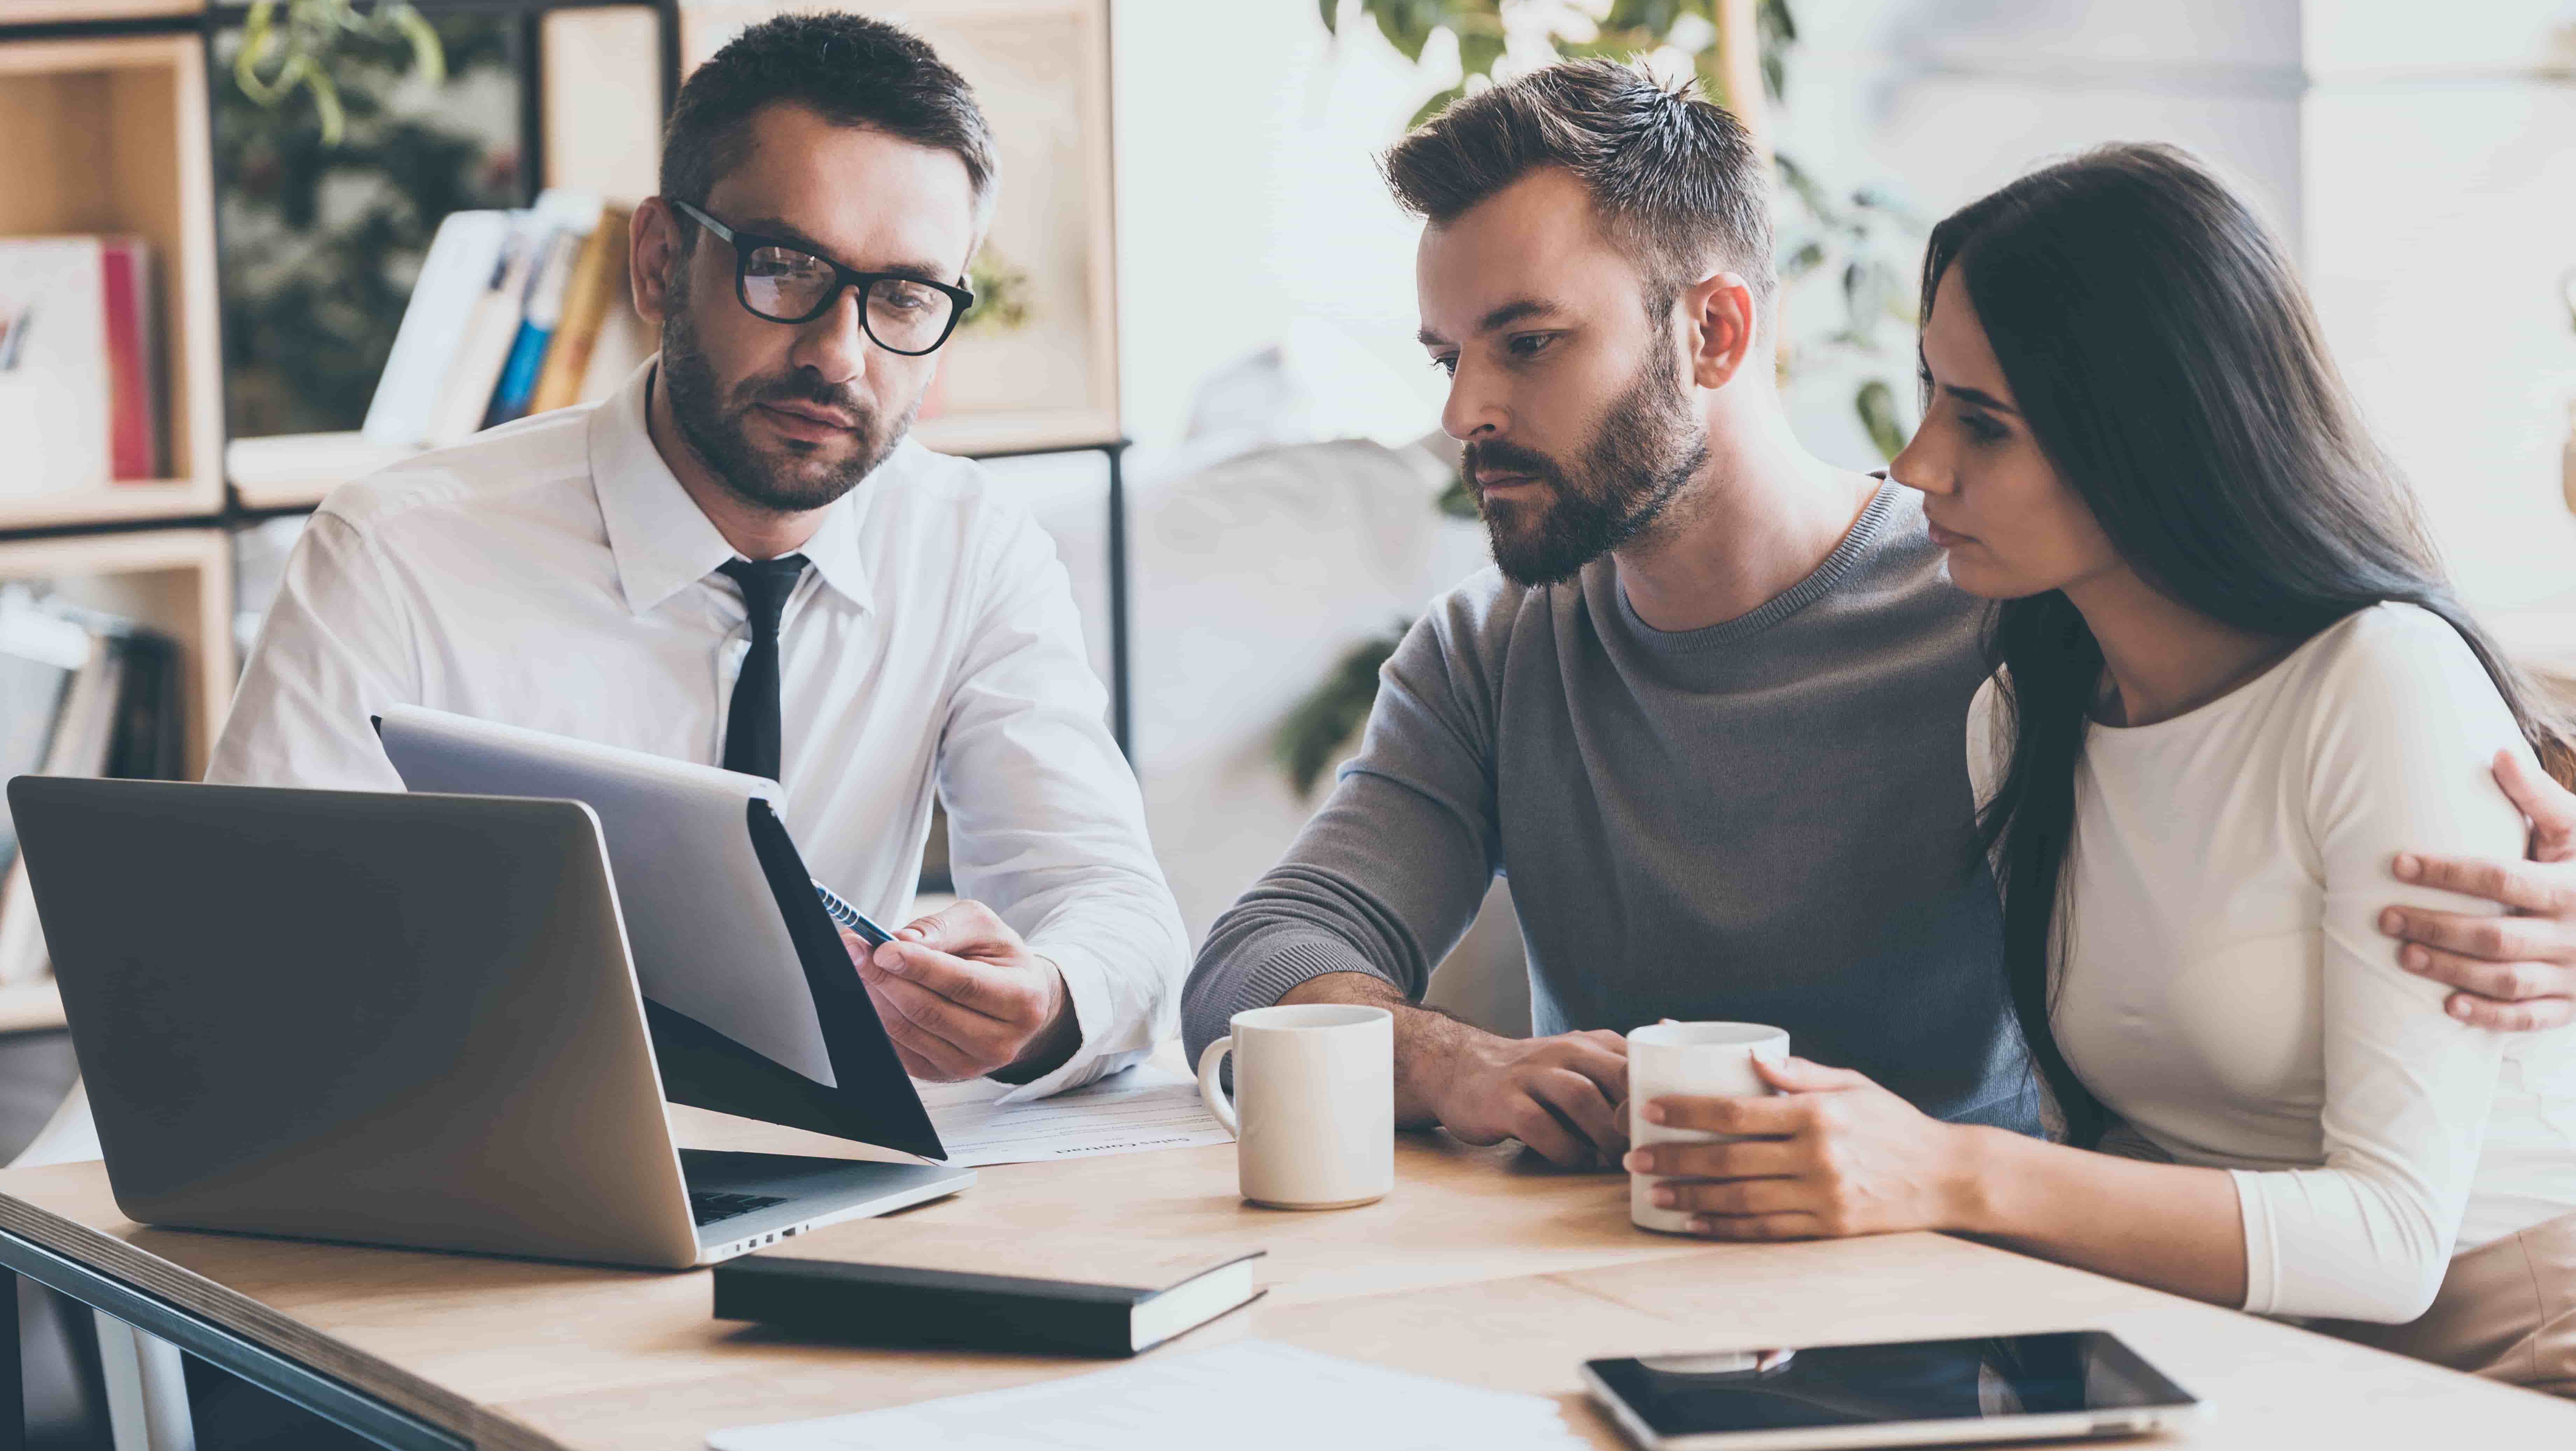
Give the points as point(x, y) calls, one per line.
point(1706, 712)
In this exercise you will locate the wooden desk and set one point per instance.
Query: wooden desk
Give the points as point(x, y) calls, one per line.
point(1478, 1269)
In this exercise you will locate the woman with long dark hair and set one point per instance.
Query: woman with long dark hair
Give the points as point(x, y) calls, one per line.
point(2233, 685)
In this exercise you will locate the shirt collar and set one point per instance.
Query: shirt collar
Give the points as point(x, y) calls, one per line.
point(662, 541)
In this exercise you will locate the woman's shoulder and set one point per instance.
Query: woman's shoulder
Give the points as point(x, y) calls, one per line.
point(2392, 652)
point(2397, 683)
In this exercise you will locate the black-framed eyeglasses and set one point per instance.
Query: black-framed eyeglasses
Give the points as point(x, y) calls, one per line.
point(785, 283)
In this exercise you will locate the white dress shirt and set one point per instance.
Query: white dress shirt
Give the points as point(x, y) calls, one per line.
point(2225, 989)
point(554, 574)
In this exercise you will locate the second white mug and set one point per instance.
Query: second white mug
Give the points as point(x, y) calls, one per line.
point(1313, 1111)
point(1695, 1060)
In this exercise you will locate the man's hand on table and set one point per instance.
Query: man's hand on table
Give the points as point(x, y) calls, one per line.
point(2517, 972)
point(1564, 1097)
point(963, 997)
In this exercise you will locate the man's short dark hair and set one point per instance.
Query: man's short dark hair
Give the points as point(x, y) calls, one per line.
point(851, 70)
point(1671, 176)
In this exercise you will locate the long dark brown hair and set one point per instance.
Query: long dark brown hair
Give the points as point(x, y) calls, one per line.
point(2161, 348)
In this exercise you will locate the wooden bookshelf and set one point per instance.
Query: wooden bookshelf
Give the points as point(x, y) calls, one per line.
point(297, 471)
point(178, 581)
point(105, 111)
point(108, 135)
point(64, 12)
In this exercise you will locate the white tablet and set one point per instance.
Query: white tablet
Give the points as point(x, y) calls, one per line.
point(2072, 1384)
point(754, 1005)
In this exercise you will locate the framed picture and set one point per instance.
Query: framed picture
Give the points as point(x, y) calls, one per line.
point(1038, 367)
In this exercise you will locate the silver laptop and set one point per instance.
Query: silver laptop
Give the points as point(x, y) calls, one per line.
point(390, 1019)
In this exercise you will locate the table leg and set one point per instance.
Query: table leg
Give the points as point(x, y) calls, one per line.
point(293, 1381)
point(13, 1370)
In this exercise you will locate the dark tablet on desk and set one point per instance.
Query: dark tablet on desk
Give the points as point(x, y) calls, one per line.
point(2083, 1383)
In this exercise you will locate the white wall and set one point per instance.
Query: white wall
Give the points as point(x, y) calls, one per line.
point(1945, 100)
point(1250, 215)
point(2421, 159)
point(2440, 187)
point(1248, 196)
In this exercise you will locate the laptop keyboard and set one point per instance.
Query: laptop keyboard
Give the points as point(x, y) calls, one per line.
point(708, 1206)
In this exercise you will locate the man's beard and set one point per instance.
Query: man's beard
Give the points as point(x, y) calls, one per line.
point(788, 480)
point(1640, 459)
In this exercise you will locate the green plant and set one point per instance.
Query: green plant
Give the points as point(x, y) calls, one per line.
point(1002, 295)
point(1307, 738)
point(289, 45)
point(321, 238)
point(1622, 28)
point(1866, 238)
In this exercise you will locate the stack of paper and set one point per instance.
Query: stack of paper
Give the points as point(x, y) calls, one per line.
point(1145, 1107)
point(1250, 1396)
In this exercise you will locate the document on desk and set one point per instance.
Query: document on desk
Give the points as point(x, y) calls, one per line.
point(1255, 1395)
point(1144, 1107)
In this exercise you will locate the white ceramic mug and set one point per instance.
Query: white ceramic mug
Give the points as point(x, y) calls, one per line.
point(1313, 1112)
point(1694, 1060)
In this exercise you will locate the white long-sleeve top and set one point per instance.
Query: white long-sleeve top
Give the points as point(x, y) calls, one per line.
point(2224, 988)
point(554, 574)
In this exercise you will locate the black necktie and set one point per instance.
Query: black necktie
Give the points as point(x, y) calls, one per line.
point(751, 726)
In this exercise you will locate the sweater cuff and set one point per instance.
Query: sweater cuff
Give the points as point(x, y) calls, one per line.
point(1284, 965)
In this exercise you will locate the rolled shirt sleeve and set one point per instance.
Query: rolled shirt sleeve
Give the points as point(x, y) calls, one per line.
point(1046, 823)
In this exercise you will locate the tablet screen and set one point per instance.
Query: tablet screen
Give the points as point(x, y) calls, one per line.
point(1929, 1380)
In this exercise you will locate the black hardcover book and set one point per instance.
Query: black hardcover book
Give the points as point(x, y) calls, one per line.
point(1091, 1300)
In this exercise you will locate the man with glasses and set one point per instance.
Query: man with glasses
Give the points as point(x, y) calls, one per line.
point(740, 559)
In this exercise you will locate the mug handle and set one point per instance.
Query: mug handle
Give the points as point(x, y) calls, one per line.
point(1217, 1103)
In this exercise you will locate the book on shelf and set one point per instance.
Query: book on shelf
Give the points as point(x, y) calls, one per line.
point(462, 256)
point(40, 654)
point(536, 329)
point(80, 366)
point(133, 360)
point(514, 313)
point(595, 293)
point(486, 319)
point(105, 698)
point(491, 325)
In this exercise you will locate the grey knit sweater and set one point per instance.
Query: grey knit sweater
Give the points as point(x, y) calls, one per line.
point(1766, 820)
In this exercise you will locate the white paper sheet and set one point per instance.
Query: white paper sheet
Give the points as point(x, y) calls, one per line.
point(1145, 1107)
point(1254, 1395)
